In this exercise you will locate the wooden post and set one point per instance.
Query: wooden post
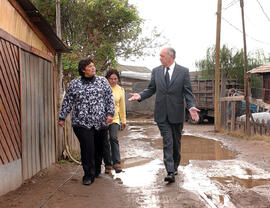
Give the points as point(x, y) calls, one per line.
point(217, 71)
point(59, 60)
point(233, 115)
point(59, 135)
point(246, 81)
point(223, 108)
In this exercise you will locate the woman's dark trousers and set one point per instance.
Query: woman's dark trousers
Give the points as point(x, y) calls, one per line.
point(86, 138)
point(113, 132)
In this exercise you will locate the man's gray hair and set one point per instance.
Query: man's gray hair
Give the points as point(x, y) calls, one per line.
point(171, 52)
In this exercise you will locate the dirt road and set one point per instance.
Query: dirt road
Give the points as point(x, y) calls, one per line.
point(216, 171)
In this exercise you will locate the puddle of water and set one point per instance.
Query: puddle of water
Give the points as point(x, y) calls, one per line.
point(196, 148)
point(155, 143)
point(134, 161)
point(135, 129)
point(142, 172)
point(207, 166)
point(249, 181)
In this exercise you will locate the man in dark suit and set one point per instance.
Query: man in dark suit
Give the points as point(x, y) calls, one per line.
point(171, 84)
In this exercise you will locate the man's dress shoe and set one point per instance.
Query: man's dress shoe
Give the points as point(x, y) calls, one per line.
point(170, 178)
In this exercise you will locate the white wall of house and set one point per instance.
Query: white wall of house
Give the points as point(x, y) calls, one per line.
point(11, 176)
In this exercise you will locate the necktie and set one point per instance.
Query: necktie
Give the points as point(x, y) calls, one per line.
point(167, 77)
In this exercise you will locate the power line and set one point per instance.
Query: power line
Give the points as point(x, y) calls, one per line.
point(263, 11)
point(239, 30)
point(230, 5)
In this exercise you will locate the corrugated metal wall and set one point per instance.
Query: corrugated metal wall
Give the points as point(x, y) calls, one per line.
point(38, 114)
point(10, 122)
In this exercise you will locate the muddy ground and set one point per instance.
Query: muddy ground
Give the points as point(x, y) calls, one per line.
point(216, 171)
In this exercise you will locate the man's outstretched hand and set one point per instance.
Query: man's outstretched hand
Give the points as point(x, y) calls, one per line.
point(134, 97)
point(194, 113)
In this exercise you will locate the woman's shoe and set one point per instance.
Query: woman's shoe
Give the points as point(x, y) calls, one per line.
point(108, 169)
point(117, 168)
point(86, 180)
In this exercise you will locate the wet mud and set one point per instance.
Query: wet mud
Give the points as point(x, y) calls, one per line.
point(216, 171)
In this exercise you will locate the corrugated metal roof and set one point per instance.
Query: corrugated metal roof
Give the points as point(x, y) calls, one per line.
point(261, 69)
point(136, 75)
point(37, 19)
point(142, 69)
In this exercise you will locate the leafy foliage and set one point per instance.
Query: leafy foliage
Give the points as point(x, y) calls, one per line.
point(232, 64)
point(102, 29)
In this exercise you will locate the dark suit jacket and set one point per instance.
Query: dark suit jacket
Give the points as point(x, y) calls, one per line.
point(170, 102)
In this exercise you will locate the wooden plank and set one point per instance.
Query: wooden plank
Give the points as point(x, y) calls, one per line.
point(5, 55)
point(260, 103)
point(32, 26)
point(5, 147)
point(233, 116)
point(232, 98)
point(8, 103)
point(9, 147)
point(11, 109)
point(13, 61)
point(11, 135)
point(15, 125)
point(3, 154)
point(15, 54)
point(6, 84)
point(24, 46)
point(15, 83)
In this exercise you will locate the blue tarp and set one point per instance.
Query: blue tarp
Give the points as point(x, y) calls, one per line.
point(253, 108)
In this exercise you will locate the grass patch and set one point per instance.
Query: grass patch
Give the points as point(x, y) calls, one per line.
point(241, 135)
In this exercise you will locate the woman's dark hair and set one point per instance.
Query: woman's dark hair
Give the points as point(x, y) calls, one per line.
point(82, 64)
point(113, 71)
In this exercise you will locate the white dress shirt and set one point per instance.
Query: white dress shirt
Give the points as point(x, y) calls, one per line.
point(170, 71)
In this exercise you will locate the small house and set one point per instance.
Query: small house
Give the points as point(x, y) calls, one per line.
point(28, 92)
point(264, 71)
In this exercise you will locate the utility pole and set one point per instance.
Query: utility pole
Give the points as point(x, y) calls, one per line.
point(246, 77)
point(59, 139)
point(217, 69)
point(59, 55)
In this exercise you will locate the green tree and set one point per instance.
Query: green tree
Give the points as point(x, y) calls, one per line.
point(231, 63)
point(102, 29)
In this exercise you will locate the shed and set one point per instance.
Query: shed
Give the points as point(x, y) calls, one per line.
point(28, 83)
point(264, 71)
point(136, 79)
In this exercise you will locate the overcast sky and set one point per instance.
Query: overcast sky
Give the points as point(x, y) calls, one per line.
point(190, 27)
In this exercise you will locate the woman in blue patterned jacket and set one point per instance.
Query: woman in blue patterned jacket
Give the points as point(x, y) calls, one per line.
point(91, 100)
